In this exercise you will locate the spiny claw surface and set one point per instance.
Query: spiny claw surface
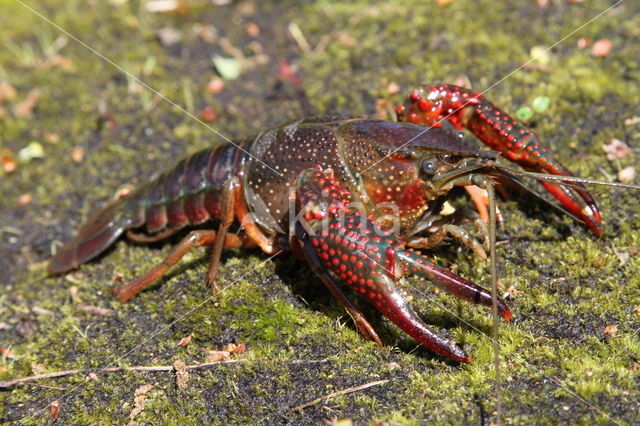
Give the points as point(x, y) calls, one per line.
point(360, 252)
point(429, 105)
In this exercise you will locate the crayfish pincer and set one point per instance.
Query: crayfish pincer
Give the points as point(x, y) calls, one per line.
point(357, 199)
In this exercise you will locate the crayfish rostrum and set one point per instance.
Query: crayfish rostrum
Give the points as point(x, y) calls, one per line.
point(357, 198)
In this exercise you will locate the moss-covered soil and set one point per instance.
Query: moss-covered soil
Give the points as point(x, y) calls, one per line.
point(98, 129)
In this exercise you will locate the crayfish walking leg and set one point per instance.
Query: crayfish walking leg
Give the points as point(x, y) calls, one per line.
point(218, 239)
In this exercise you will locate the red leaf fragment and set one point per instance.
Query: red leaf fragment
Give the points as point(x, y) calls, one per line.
point(208, 114)
point(601, 48)
point(54, 410)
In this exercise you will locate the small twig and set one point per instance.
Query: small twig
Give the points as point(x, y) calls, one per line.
point(336, 393)
point(26, 380)
point(46, 387)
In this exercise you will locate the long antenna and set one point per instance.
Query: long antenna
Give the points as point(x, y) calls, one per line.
point(560, 179)
point(491, 195)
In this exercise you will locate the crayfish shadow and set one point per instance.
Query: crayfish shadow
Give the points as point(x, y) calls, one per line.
point(309, 291)
point(538, 208)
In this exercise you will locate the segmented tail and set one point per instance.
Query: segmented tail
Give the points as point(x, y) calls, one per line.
point(95, 236)
point(188, 194)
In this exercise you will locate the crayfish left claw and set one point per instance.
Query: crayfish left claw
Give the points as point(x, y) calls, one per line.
point(346, 246)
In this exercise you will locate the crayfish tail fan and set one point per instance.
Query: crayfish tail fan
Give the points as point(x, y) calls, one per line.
point(94, 237)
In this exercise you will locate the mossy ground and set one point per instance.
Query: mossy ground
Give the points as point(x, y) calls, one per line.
point(565, 285)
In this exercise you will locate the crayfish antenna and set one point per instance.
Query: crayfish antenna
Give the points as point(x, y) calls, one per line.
point(491, 195)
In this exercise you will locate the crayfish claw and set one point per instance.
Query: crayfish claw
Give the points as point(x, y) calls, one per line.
point(414, 263)
point(429, 105)
point(342, 245)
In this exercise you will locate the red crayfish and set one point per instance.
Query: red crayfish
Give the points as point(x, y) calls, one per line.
point(357, 198)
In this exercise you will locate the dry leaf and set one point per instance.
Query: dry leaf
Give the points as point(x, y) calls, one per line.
point(231, 347)
point(393, 88)
point(252, 29)
point(25, 108)
point(77, 154)
point(463, 81)
point(7, 92)
point(9, 163)
point(54, 410)
point(7, 353)
point(184, 341)
point(611, 330)
point(51, 137)
point(182, 375)
point(601, 48)
point(215, 85)
point(25, 199)
point(394, 366)
point(57, 61)
point(632, 120)
point(41, 311)
point(73, 290)
point(583, 43)
point(215, 356)
point(208, 114)
point(96, 310)
point(139, 401)
point(169, 36)
point(239, 349)
point(628, 174)
point(162, 6)
point(616, 149)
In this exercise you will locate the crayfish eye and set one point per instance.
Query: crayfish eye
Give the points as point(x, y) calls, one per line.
point(428, 168)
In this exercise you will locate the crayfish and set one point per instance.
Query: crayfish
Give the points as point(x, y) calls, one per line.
point(358, 199)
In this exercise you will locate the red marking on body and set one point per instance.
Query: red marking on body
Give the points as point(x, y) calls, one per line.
point(412, 197)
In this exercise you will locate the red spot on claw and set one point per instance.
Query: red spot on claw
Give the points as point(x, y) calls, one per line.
point(424, 105)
